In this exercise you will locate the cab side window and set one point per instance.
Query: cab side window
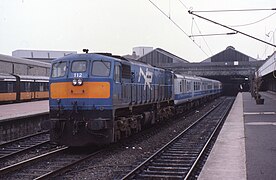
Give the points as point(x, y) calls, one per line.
point(101, 68)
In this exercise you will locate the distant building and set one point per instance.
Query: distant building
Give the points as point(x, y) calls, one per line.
point(131, 57)
point(41, 55)
point(138, 52)
point(141, 51)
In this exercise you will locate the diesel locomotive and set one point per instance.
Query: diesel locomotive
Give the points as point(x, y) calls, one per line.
point(98, 98)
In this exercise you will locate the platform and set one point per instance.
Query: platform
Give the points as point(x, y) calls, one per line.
point(245, 148)
point(18, 110)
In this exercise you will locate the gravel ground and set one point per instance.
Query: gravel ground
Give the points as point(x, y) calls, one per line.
point(122, 157)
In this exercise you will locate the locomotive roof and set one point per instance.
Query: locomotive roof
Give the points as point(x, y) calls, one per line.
point(85, 56)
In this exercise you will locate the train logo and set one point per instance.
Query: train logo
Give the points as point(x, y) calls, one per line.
point(147, 77)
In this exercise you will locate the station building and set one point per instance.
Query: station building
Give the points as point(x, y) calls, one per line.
point(230, 66)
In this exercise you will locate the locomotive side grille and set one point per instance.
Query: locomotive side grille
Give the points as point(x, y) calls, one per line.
point(63, 90)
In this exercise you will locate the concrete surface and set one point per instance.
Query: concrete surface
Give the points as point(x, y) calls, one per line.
point(11, 111)
point(227, 158)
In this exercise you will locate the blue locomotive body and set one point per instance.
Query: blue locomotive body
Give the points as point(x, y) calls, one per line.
point(99, 98)
point(96, 99)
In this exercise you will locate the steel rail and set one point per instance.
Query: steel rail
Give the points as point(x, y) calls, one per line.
point(22, 138)
point(65, 168)
point(144, 163)
point(2, 158)
point(188, 175)
point(19, 165)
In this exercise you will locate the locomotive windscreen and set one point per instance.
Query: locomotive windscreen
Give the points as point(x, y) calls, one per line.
point(58, 69)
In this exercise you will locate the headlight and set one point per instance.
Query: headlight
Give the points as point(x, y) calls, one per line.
point(74, 82)
point(79, 82)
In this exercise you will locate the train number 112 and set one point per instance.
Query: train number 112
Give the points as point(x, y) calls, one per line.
point(78, 75)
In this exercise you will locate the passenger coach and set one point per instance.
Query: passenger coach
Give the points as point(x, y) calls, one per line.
point(17, 88)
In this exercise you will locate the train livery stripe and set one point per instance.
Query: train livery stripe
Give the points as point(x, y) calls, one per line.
point(63, 90)
point(41, 94)
point(7, 96)
point(26, 95)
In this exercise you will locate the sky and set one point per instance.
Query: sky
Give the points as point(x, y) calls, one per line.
point(116, 26)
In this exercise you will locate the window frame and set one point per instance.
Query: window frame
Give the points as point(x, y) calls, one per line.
point(86, 64)
point(117, 73)
point(52, 70)
point(103, 62)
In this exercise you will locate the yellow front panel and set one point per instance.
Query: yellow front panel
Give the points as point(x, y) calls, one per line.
point(87, 90)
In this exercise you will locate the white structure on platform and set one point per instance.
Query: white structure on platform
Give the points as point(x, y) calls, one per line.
point(269, 65)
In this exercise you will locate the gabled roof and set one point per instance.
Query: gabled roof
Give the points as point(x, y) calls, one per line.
point(171, 55)
point(166, 53)
point(228, 53)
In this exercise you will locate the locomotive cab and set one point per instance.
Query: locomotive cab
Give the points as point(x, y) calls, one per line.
point(80, 100)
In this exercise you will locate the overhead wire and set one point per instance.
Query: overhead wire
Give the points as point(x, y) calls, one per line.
point(193, 21)
point(192, 12)
point(266, 49)
point(183, 4)
point(235, 10)
point(248, 24)
point(192, 25)
point(177, 26)
point(203, 38)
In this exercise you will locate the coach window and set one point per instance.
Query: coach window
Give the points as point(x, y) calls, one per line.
point(183, 86)
point(27, 87)
point(79, 66)
point(41, 87)
point(58, 69)
point(188, 86)
point(101, 68)
point(117, 74)
point(10, 87)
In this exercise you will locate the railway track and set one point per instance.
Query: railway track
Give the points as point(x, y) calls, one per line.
point(178, 158)
point(46, 165)
point(21, 145)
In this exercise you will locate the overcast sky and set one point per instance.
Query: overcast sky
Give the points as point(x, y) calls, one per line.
point(117, 26)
